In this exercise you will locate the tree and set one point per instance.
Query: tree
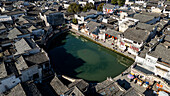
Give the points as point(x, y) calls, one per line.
point(74, 8)
point(88, 6)
point(114, 2)
point(84, 9)
point(100, 7)
point(75, 21)
point(121, 2)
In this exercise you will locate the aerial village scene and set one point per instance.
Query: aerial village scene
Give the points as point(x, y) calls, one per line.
point(84, 47)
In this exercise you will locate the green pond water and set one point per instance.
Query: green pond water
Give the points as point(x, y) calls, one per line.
point(78, 57)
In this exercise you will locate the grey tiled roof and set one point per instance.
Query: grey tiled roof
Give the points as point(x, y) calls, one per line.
point(31, 28)
point(151, 14)
point(167, 3)
point(74, 91)
point(13, 33)
point(30, 89)
point(109, 88)
point(14, 12)
point(2, 26)
point(20, 64)
point(143, 18)
point(167, 32)
point(16, 91)
point(58, 86)
point(141, 69)
point(133, 92)
point(103, 84)
point(3, 72)
point(136, 35)
point(109, 6)
point(92, 11)
point(22, 46)
point(92, 25)
point(161, 52)
point(81, 84)
point(112, 32)
point(37, 58)
point(49, 12)
point(167, 38)
point(145, 26)
point(23, 20)
point(143, 52)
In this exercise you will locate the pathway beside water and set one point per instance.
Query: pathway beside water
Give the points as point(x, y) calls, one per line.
point(80, 58)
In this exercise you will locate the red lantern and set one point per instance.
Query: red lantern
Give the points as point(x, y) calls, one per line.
point(122, 43)
point(112, 36)
point(115, 37)
point(106, 34)
point(109, 35)
point(137, 49)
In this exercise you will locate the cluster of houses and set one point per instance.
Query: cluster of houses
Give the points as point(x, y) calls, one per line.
point(24, 65)
point(79, 87)
point(23, 27)
point(141, 29)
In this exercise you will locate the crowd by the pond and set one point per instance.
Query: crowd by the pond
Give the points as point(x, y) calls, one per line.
point(139, 29)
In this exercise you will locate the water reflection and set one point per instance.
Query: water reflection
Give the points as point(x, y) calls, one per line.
point(80, 58)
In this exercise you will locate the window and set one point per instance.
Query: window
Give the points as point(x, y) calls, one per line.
point(159, 59)
point(35, 76)
point(134, 42)
point(13, 82)
point(47, 65)
point(73, 94)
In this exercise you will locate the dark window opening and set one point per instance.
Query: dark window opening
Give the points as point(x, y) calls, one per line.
point(35, 76)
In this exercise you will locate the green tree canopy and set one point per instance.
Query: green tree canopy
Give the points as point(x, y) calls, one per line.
point(88, 6)
point(114, 2)
point(75, 21)
point(100, 7)
point(121, 2)
point(74, 8)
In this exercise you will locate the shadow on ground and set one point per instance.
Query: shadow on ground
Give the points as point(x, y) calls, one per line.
point(123, 83)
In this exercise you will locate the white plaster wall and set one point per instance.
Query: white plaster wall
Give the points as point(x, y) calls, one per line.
point(150, 61)
point(74, 26)
point(123, 27)
point(140, 2)
point(8, 83)
point(132, 52)
point(38, 32)
point(164, 67)
point(83, 3)
point(91, 1)
point(139, 60)
point(104, 20)
point(156, 10)
point(28, 73)
point(66, 6)
point(102, 36)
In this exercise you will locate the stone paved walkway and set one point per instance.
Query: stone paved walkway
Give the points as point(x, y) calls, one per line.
point(106, 44)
